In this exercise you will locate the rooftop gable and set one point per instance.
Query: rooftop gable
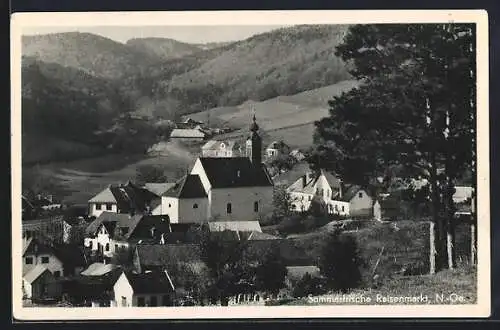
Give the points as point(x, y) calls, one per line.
point(152, 282)
point(189, 186)
point(33, 274)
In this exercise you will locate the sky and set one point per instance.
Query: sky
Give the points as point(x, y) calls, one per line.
point(189, 34)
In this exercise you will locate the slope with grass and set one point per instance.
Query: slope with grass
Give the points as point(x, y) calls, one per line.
point(163, 48)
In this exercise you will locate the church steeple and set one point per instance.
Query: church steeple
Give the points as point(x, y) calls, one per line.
point(254, 144)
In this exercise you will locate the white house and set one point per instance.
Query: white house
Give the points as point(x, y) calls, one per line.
point(226, 148)
point(111, 232)
point(186, 201)
point(122, 198)
point(144, 289)
point(323, 185)
point(38, 254)
point(187, 134)
point(360, 201)
point(462, 194)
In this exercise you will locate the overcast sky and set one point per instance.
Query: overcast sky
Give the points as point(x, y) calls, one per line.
point(189, 34)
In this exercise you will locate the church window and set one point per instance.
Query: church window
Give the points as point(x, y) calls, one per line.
point(195, 206)
point(256, 206)
point(169, 205)
point(360, 195)
point(229, 208)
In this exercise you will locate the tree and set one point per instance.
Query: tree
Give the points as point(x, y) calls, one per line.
point(413, 110)
point(307, 285)
point(151, 174)
point(282, 203)
point(271, 272)
point(340, 262)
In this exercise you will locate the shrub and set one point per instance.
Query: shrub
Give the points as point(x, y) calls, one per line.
point(340, 262)
point(307, 285)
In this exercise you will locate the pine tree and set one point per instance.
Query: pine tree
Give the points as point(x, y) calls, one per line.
point(414, 109)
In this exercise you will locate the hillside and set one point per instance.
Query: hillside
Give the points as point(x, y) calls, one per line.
point(163, 48)
point(88, 52)
point(290, 118)
point(281, 62)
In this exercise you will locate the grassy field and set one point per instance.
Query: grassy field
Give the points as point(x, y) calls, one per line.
point(80, 180)
point(290, 118)
point(458, 286)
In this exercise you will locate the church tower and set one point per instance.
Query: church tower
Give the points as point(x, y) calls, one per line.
point(254, 144)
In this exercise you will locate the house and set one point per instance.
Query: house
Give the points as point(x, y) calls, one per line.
point(360, 201)
point(187, 134)
point(59, 259)
point(186, 201)
point(322, 185)
point(386, 209)
point(45, 228)
point(226, 148)
point(122, 198)
point(112, 232)
point(188, 123)
point(144, 289)
point(40, 284)
point(296, 273)
point(93, 286)
point(277, 148)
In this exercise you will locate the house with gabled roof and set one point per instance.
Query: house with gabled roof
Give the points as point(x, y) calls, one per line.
point(122, 198)
point(39, 284)
point(222, 148)
point(157, 257)
point(144, 289)
point(359, 199)
point(111, 232)
point(322, 185)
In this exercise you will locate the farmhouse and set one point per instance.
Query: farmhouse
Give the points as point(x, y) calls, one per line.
point(322, 185)
point(123, 198)
point(227, 148)
point(144, 289)
point(277, 148)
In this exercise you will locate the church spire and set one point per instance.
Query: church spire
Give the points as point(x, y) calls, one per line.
point(254, 143)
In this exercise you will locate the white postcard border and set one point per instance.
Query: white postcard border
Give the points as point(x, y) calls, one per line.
point(480, 17)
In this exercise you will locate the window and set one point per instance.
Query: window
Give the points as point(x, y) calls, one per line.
point(342, 208)
point(90, 244)
point(109, 207)
point(141, 302)
point(124, 301)
point(57, 274)
point(28, 260)
point(98, 206)
point(169, 205)
point(45, 260)
point(107, 246)
point(360, 195)
point(116, 247)
point(229, 208)
point(195, 206)
point(153, 301)
point(327, 193)
point(310, 198)
point(256, 206)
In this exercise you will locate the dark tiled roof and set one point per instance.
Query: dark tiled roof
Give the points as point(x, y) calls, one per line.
point(122, 220)
point(153, 282)
point(70, 255)
point(235, 172)
point(161, 255)
point(189, 186)
point(350, 192)
point(142, 230)
point(128, 197)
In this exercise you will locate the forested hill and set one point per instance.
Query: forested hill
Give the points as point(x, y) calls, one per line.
point(75, 84)
point(88, 52)
point(281, 62)
point(163, 48)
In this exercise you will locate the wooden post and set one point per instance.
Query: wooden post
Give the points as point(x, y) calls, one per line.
point(473, 243)
point(432, 250)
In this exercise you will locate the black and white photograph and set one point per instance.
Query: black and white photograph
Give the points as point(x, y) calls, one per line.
point(250, 164)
